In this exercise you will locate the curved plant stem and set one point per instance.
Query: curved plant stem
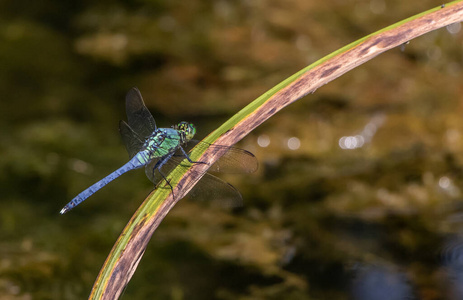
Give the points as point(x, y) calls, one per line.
point(131, 244)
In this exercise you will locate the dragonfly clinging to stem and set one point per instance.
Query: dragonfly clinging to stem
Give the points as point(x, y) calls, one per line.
point(160, 150)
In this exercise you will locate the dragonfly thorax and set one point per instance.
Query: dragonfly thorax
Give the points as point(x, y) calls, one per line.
point(163, 142)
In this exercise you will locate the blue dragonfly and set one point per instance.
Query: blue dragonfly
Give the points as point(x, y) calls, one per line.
point(160, 150)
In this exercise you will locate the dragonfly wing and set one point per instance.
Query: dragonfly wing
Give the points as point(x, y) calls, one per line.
point(235, 160)
point(149, 171)
point(153, 172)
point(133, 143)
point(208, 188)
point(138, 116)
point(219, 192)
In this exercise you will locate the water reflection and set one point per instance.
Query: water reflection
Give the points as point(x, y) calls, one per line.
point(294, 143)
point(454, 28)
point(80, 166)
point(452, 256)
point(377, 6)
point(448, 187)
point(365, 136)
point(397, 200)
point(434, 53)
point(263, 140)
point(351, 142)
point(380, 283)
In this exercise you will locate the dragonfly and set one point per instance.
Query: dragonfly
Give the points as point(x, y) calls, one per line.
point(160, 150)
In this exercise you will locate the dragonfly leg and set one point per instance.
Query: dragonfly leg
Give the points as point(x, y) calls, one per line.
point(158, 167)
point(168, 182)
point(189, 159)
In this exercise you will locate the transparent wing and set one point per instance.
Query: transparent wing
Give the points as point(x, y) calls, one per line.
point(235, 160)
point(209, 187)
point(133, 143)
point(138, 116)
point(156, 174)
point(153, 174)
point(219, 192)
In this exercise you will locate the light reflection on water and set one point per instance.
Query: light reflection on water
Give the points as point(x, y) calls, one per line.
point(447, 186)
point(365, 136)
point(292, 143)
point(452, 260)
point(263, 140)
point(454, 28)
point(80, 166)
point(380, 283)
point(377, 6)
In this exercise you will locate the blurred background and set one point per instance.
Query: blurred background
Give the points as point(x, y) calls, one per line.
point(359, 190)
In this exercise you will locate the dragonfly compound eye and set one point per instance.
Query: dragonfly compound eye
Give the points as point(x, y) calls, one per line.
point(191, 131)
point(187, 128)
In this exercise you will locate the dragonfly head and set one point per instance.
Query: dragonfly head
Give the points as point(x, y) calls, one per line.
point(186, 128)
